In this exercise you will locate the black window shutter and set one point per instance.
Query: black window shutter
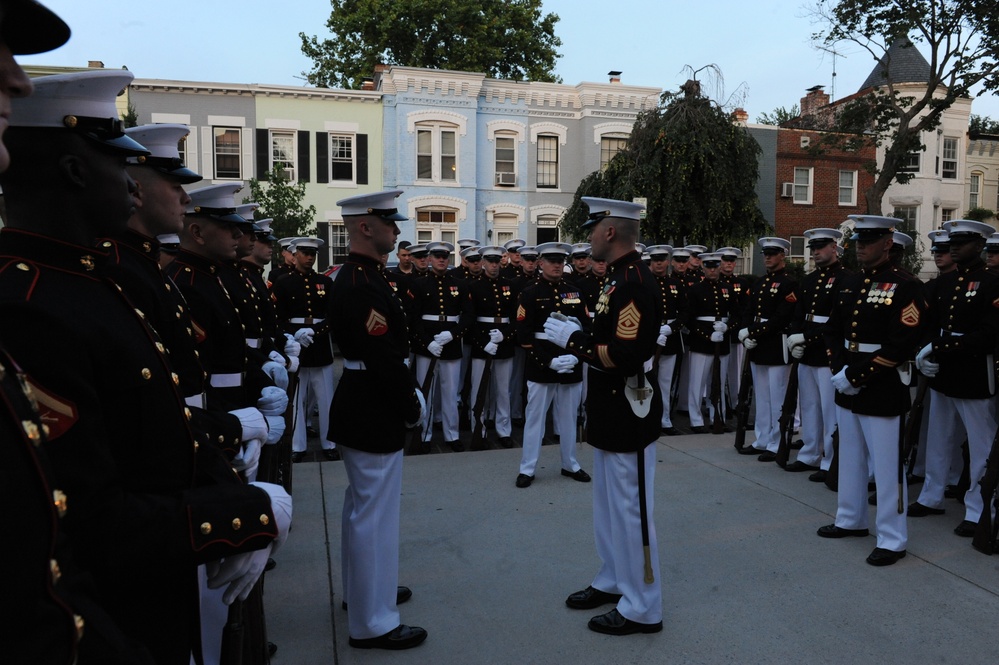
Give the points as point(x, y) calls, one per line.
point(303, 157)
point(362, 159)
point(263, 153)
point(322, 157)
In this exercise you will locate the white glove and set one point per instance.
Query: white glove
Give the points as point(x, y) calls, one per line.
point(718, 336)
point(743, 334)
point(276, 425)
point(281, 507)
point(253, 423)
point(443, 337)
point(304, 336)
point(273, 401)
point(248, 459)
point(292, 349)
point(797, 339)
point(276, 357)
point(720, 326)
point(293, 363)
point(491, 348)
point(797, 352)
point(424, 415)
point(661, 340)
point(842, 384)
point(495, 336)
point(559, 329)
point(435, 348)
point(749, 343)
point(239, 571)
point(665, 330)
point(924, 364)
point(277, 372)
point(563, 364)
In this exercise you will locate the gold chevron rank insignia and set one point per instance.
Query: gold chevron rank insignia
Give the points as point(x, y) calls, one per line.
point(910, 315)
point(627, 322)
point(521, 313)
point(376, 323)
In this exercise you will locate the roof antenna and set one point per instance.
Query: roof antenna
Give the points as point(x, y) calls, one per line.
point(835, 54)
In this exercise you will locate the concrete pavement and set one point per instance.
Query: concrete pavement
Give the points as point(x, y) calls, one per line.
point(746, 580)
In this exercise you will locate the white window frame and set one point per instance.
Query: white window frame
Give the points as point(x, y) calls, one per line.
point(851, 189)
point(512, 162)
point(438, 231)
point(905, 216)
point(914, 162)
point(612, 153)
point(238, 154)
point(291, 166)
point(975, 189)
point(334, 157)
point(554, 141)
point(949, 156)
point(436, 130)
point(803, 196)
point(947, 214)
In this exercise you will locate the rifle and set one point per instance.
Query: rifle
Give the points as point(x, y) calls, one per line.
point(674, 388)
point(742, 408)
point(233, 635)
point(718, 423)
point(417, 446)
point(832, 475)
point(282, 462)
point(480, 405)
point(986, 532)
point(786, 422)
point(914, 423)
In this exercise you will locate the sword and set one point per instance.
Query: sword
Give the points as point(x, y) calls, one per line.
point(644, 515)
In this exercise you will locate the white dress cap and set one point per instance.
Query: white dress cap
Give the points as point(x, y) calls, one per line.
point(380, 204)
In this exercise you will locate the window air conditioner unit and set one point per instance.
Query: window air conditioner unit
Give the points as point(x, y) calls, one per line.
point(787, 190)
point(506, 179)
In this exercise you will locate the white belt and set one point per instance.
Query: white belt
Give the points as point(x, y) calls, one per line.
point(540, 335)
point(708, 319)
point(591, 314)
point(492, 319)
point(815, 318)
point(354, 364)
point(226, 380)
point(950, 333)
point(760, 319)
point(669, 322)
point(435, 317)
point(861, 347)
point(198, 400)
point(253, 342)
point(308, 320)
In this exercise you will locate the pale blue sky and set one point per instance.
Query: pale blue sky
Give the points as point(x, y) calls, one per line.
point(764, 47)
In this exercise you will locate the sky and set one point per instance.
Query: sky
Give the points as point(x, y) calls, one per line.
point(764, 50)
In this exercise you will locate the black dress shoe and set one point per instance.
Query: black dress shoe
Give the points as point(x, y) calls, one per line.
point(698, 429)
point(524, 480)
point(589, 598)
point(402, 594)
point(613, 623)
point(332, 454)
point(579, 475)
point(767, 456)
point(456, 446)
point(749, 450)
point(833, 531)
point(797, 445)
point(952, 492)
point(506, 441)
point(966, 529)
point(671, 431)
point(271, 649)
point(883, 557)
point(917, 509)
point(403, 637)
point(797, 466)
point(297, 457)
point(270, 565)
point(818, 477)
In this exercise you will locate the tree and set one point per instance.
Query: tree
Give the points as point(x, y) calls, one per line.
point(980, 214)
point(282, 200)
point(779, 116)
point(982, 125)
point(696, 168)
point(506, 39)
point(962, 39)
point(130, 117)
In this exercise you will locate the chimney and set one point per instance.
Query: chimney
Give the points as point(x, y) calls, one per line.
point(95, 64)
point(615, 77)
point(814, 100)
point(740, 116)
point(367, 83)
point(380, 69)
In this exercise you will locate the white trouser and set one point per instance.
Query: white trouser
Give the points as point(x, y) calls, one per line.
point(666, 366)
point(517, 383)
point(539, 397)
point(874, 438)
point(769, 385)
point(315, 386)
point(214, 615)
point(617, 528)
point(947, 415)
point(447, 377)
point(369, 541)
point(700, 385)
point(497, 394)
point(816, 401)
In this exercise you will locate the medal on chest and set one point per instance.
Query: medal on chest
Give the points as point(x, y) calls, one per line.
point(881, 293)
point(603, 302)
point(972, 289)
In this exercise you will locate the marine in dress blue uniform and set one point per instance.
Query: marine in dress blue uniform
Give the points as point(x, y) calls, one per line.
point(670, 340)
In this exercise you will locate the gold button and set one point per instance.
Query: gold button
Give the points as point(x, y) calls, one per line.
point(187, 413)
point(206, 528)
point(54, 570)
point(107, 244)
point(31, 431)
point(176, 379)
point(265, 520)
point(236, 524)
point(78, 620)
point(221, 439)
point(139, 312)
point(196, 446)
point(146, 373)
point(60, 501)
point(160, 347)
point(23, 266)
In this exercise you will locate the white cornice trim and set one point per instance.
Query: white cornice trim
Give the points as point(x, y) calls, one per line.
point(434, 115)
point(517, 128)
point(605, 128)
point(546, 209)
point(437, 200)
point(539, 128)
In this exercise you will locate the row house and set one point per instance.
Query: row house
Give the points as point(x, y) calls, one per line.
point(982, 166)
